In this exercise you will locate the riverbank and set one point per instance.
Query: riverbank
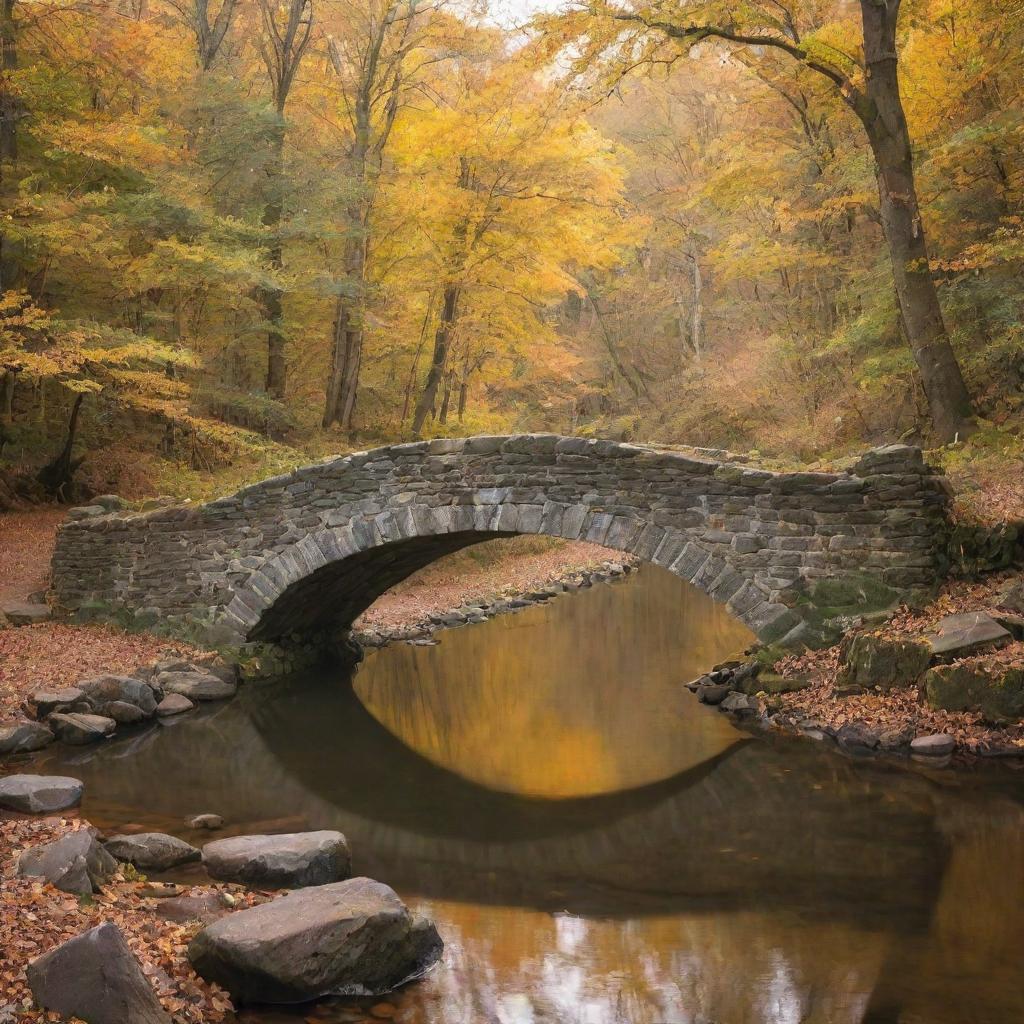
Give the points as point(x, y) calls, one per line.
point(953, 669)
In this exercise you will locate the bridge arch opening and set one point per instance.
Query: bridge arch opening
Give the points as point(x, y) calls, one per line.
point(325, 581)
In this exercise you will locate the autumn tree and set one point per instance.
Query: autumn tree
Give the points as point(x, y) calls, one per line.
point(285, 38)
point(378, 60)
point(209, 27)
point(524, 193)
point(867, 81)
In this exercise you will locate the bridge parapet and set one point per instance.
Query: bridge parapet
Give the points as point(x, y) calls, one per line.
point(296, 553)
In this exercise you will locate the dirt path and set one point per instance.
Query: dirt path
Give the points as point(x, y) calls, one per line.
point(26, 546)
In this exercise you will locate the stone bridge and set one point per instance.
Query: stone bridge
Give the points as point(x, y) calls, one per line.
point(305, 553)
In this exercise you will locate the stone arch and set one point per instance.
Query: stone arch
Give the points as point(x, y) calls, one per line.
point(331, 575)
point(786, 552)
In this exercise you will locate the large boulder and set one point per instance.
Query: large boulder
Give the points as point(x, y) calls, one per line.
point(288, 861)
point(196, 685)
point(349, 938)
point(95, 977)
point(958, 636)
point(998, 693)
point(152, 851)
point(108, 689)
point(74, 863)
point(78, 729)
point(39, 794)
point(877, 661)
point(22, 737)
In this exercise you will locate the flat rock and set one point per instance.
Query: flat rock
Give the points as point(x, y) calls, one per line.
point(48, 701)
point(350, 938)
point(78, 729)
point(74, 863)
point(21, 737)
point(86, 512)
point(959, 635)
point(211, 822)
point(935, 745)
point(152, 851)
point(25, 613)
point(106, 689)
point(289, 861)
point(95, 977)
point(192, 908)
point(39, 794)
point(173, 704)
point(196, 685)
point(111, 502)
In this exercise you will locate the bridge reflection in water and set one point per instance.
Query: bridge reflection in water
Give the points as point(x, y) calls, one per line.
point(595, 846)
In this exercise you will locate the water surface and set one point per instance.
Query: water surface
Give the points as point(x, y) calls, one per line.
point(596, 847)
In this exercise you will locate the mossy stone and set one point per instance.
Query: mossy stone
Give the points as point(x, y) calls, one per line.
point(876, 661)
point(997, 694)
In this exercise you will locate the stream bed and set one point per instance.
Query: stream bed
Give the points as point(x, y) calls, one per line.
point(596, 847)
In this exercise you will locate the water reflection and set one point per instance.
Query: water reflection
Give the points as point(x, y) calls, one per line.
point(650, 865)
point(566, 704)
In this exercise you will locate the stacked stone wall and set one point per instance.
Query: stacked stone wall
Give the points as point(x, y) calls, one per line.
point(290, 553)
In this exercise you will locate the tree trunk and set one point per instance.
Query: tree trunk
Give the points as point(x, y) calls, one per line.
point(347, 343)
point(8, 380)
point(56, 476)
point(449, 312)
point(10, 104)
point(11, 110)
point(442, 345)
point(271, 298)
point(886, 125)
point(446, 399)
point(347, 335)
point(697, 312)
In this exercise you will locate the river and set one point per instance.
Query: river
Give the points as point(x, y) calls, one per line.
point(596, 847)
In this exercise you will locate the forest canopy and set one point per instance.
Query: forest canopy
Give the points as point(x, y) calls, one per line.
point(239, 235)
